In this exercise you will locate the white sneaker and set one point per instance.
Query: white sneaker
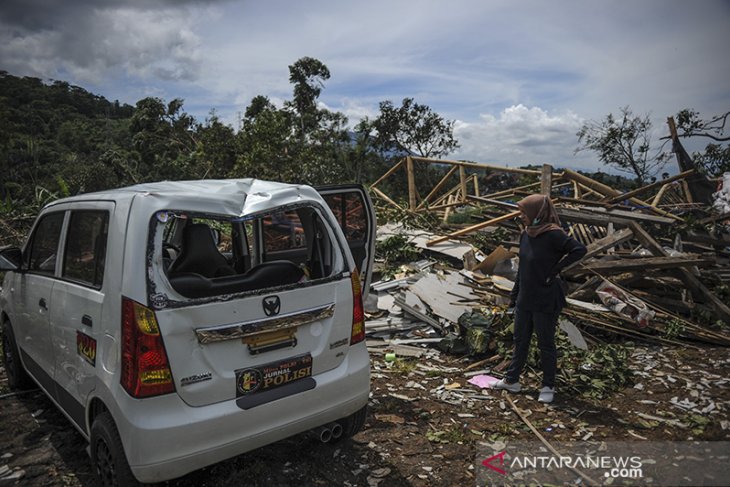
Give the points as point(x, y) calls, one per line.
point(546, 394)
point(501, 384)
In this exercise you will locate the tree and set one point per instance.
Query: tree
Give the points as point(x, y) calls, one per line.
point(715, 159)
point(308, 76)
point(264, 143)
point(623, 142)
point(413, 128)
point(165, 137)
point(216, 149)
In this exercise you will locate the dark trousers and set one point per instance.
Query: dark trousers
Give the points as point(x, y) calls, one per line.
point(544, 326)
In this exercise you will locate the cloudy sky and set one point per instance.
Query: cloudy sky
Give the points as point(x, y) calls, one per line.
point(517, 77)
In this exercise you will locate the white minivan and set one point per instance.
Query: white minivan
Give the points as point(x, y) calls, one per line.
point(177, 324)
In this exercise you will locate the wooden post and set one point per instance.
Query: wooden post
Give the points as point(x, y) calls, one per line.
point(576, 190)
point(411, 184)
point(475, 178)
point(546, 179)
point(462, 181)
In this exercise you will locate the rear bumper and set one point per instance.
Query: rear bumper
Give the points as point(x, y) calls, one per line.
point(164, 438)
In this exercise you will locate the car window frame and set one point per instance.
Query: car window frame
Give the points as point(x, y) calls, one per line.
point(67, 233)
point(28, 250)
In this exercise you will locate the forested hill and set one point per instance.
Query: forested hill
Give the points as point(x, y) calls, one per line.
point(57, 139)
point(52, 137)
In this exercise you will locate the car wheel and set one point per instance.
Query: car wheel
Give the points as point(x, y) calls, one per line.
point(18, 378)
point(107, 454)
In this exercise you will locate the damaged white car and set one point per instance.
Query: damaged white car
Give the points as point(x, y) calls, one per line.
point(177, 324)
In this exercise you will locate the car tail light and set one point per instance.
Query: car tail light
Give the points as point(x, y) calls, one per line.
point(358, 312)
point(145, 368)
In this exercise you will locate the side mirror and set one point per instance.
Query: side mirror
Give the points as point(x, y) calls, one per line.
point(11, 259)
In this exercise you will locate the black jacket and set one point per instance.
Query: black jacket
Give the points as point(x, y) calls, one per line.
point(538, 286)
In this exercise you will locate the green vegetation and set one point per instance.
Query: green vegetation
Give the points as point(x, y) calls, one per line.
point(57, 140)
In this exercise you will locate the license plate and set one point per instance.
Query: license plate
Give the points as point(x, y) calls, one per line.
point(272, 375)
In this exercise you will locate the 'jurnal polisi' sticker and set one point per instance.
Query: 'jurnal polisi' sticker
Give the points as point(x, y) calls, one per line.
point(272, 375)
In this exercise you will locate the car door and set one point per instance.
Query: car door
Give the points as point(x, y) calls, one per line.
point(34, 286)
point(354, 211)
point(78, 296)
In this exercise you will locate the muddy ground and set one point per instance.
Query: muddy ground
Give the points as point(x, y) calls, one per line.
point(417, 433)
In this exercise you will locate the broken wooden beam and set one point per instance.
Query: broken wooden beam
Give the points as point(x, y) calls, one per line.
point(641, 263)
point(474, 228)
point(604, 244)
point(644, 189)
point(721, 310)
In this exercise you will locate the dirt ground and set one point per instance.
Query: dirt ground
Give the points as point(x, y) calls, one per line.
point(417, 433)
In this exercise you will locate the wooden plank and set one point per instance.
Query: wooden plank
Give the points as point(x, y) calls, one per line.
point(474, 165)
point(648, 187)
point(631, 215)
point(411, 184)
point(605, 243)
point(608, 191)
point(576, 190)
point(644, 263)
point(494, 202)
point(658, 198)
point(721, 310)
point(546, 179)
point(474, 228)
point(388, 173)
point(436, 188)
point(462, 182)
point(385, 197)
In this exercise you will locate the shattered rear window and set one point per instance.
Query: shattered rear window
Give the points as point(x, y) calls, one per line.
point(203, 255)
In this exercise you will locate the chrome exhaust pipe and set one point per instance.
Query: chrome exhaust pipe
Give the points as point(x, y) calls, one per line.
point(324, 434)
point(336, 429)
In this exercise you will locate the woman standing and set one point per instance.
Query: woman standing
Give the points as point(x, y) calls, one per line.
point(538, 294)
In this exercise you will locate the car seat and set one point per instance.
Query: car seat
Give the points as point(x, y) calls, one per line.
point(199, 254)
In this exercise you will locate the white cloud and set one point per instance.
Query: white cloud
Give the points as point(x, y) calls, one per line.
point(520, 135)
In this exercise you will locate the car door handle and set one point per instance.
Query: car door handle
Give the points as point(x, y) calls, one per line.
point(86, 320)
point(42, 304)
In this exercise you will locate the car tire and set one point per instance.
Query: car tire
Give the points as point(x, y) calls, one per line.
point(357, 421)
point(351, 425)
point(18, 378)
point(107, 454)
